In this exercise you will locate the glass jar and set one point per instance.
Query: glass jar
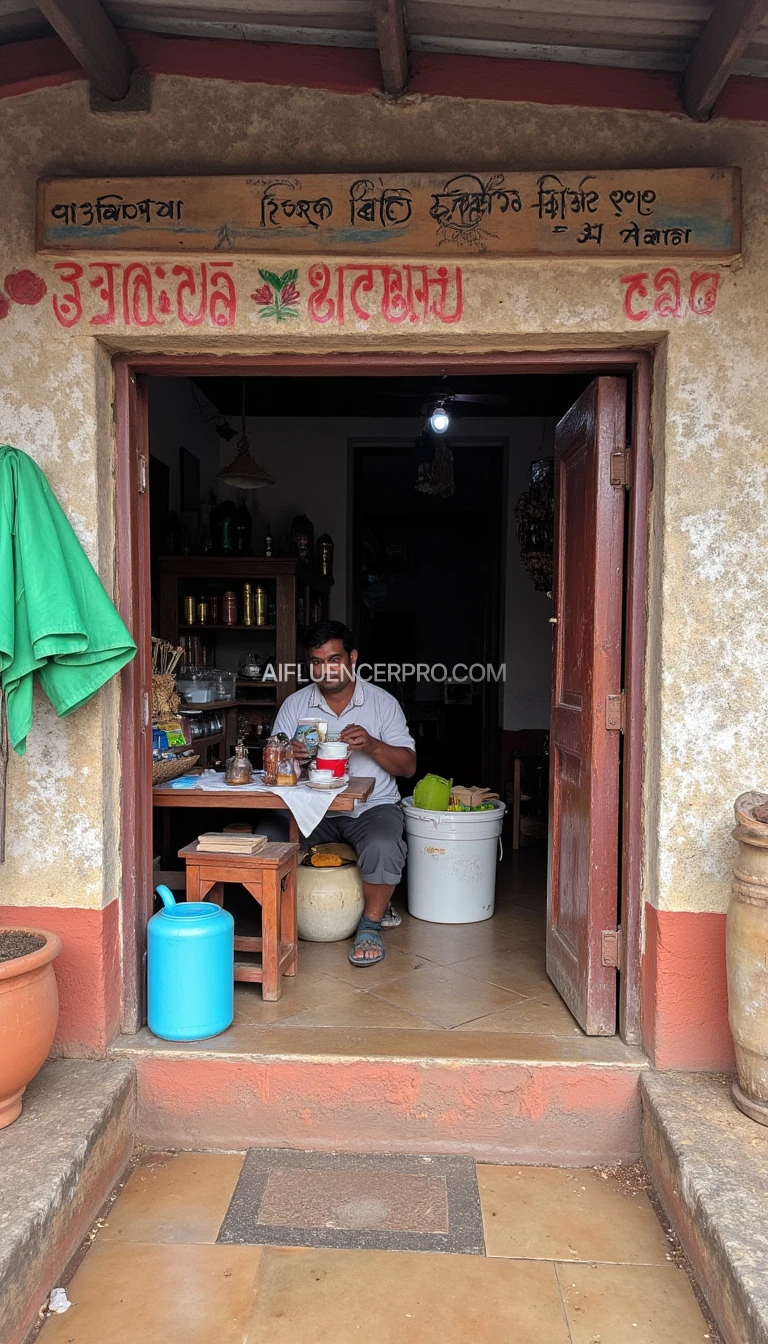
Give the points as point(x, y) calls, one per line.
point(272, 748)
point(239, 769)
point(287, 767)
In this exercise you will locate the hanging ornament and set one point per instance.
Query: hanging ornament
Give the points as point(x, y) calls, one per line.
point(535, 523)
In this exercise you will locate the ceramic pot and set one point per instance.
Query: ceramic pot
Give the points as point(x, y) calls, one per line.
point(747, 959)
point(329, 902)
point(29, 1012)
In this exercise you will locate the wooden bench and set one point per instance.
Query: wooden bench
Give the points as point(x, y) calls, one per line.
point(270, 877)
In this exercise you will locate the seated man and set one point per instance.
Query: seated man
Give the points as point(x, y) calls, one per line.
point(371, 721)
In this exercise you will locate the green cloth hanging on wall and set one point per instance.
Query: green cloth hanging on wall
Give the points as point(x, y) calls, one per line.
point(56, 619)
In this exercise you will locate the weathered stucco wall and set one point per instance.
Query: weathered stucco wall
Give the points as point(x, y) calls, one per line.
point(707, 730)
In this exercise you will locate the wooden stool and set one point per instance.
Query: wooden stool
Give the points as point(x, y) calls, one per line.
point(270, 877)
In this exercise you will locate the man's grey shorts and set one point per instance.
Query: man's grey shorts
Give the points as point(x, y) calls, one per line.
point(377, 835)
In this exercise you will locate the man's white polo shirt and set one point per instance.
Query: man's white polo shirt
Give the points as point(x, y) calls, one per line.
point(371, 708)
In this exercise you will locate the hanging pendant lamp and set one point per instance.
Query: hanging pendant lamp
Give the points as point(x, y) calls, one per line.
point(244, 472)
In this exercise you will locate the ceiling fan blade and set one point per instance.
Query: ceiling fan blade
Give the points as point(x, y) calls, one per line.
point(482, 398)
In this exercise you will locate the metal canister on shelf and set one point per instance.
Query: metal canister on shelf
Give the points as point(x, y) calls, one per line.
point(324, 555)
point(247, 604)
point(202, 612)
point(214, 609)
point(190, 607)
point(260, 604)
point(229, 608)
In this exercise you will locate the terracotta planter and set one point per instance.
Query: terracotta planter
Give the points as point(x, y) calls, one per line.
point(29, 1012)
point(747, 959)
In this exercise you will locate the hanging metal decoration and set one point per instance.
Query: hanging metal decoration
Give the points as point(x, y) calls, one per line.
point(535, 523)
point(435, 477)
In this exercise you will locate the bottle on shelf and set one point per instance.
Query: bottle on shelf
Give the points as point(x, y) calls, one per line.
point(248, 605)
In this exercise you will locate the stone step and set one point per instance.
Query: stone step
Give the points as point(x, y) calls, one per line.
point(709, 1164)
point(58, 1163)
point(521, 1098)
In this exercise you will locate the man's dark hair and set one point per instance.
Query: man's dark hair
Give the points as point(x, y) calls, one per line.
point(325, 630)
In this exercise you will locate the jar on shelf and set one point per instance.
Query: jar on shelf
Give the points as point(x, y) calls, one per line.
point(248, 604)
point(229, 608)
point(303, 538)
point(324, 555)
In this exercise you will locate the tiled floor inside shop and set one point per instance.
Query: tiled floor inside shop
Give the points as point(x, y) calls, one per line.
point(275, 1247)
point(486, 977)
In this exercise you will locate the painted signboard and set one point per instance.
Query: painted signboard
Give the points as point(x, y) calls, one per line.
point(692, 212)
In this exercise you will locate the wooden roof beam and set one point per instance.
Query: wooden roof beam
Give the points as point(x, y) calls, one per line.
point(393, 52)
point(726, 36)
point(84, 27)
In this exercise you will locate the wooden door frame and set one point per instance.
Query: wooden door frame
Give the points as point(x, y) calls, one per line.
point(130, 418)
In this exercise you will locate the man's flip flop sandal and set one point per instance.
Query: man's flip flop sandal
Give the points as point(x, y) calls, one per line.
point(366, 939)
point(391, 919)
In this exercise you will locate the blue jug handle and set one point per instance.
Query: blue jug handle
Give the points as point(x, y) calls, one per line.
point(166, 896)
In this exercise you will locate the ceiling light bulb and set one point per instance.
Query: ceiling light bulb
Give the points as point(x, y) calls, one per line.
point(439, 420)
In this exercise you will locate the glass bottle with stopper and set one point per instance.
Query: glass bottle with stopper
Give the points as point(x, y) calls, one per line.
point(239, 769)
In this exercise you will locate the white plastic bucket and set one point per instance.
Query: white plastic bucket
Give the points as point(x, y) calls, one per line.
point(452, 860)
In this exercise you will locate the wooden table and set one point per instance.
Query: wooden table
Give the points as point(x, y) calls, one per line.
point(270, 878)
point(360, 788)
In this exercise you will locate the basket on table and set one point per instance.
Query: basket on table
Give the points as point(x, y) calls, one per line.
point(164, 771)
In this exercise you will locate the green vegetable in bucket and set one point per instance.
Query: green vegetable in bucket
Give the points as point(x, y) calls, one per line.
point(432, 793)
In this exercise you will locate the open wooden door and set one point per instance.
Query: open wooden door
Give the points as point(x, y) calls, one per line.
point(132, 554)
point(587, 704)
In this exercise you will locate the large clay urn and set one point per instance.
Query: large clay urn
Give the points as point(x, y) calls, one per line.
point(29, 1012)
point(330, 901)
point(747, 956)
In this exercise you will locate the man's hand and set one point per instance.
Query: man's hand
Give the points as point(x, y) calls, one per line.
point(299, 749)
point(358, 739)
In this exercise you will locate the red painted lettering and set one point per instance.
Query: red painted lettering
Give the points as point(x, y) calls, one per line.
point(703, 292)
point(138, 308)
point(635, 288)
point(69, 308)
point(669, 302)
point(104, 284)
point(321, 308)
point(187, 288)
point(223, 295)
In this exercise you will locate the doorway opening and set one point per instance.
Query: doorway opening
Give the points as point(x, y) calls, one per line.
point(450, 617)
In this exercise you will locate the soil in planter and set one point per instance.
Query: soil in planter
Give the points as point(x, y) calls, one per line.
point(17, 943)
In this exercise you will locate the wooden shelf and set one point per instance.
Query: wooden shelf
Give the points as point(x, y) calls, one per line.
point(252, 629)
point(208, 740)
point(207, 707)
point(291, 582)
point(221, 567)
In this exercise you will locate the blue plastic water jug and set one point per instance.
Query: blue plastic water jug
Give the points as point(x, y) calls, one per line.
point(190, 969)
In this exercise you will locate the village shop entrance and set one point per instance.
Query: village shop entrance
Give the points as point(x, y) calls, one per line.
point(440, 562)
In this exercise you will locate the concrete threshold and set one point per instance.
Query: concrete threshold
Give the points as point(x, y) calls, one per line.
point(709, 1164)
point(58, 1163)
point(508, 1098)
